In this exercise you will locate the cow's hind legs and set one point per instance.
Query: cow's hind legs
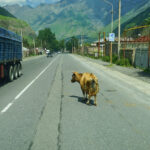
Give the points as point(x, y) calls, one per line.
point(88, 101)
point(95, 103)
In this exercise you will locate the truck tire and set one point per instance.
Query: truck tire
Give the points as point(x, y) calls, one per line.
point(10, 73)
point(19, 69)
point(15, 71)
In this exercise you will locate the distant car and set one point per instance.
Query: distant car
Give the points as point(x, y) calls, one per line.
point(48, 53)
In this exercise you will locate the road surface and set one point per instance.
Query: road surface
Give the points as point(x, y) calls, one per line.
point(43, 110)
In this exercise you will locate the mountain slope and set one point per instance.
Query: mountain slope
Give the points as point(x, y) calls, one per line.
point(65, 18)
point(137, 21)
point(8, 21)
point(75, 17)
point(4, 12)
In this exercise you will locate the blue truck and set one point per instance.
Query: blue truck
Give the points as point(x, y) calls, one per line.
point(10, 55)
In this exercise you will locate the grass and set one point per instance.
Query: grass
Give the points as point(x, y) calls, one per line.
point(110, 65)
point(121, 62)
point(147, 70)
point(16, 25)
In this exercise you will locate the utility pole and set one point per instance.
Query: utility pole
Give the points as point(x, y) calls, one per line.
point(99, 36)
point(74, 46)
point(41, 44)
point(104, 47)
point(82, 41)
point(112, 11)
point(34, 45)
point(119, 29)
point(110, 51)
point(149, 53)
point(22, 37)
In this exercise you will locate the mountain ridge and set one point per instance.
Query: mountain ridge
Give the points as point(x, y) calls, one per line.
point(9, 22)
point(74, 17)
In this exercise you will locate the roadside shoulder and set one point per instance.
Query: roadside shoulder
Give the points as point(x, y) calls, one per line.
point(130, 71)
point(131, 80)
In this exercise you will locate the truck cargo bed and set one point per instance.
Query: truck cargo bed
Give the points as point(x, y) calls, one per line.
point(10, 46)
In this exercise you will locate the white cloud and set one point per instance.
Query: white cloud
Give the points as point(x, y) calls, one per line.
point(7, 2)
point(29, 2)
point(12, 1)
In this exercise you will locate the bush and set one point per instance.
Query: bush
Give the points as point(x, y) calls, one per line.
point(147, 70)
point(114, 58)
point(123, 62)
point(106, 58)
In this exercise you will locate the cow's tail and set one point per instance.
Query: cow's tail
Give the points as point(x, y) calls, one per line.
point(94, 85)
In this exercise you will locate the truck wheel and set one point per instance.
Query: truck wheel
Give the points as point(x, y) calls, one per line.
point(19, 70)
point(15, 71)
point(10, 73)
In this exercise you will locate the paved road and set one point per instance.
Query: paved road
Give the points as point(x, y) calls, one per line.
point(43, 110)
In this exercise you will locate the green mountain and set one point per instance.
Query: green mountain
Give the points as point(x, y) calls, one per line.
point(4, 12)
point(77, 17)
point(8, 21)
point(137, 21)
point(134, 17)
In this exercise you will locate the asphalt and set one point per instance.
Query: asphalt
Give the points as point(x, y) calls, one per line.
point(52, 114)
point(137, 73)
point(120, 121)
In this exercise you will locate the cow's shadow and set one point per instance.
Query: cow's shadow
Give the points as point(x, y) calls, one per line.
point(82, 99)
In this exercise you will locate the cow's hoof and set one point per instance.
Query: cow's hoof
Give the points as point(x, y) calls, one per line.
point(95, 104)
point(87, 102)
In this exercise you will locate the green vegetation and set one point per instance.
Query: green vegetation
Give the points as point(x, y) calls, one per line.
point(121, 62)
point(16, 26)
point(72, 44)
point(19, 26)
point(48, 40)
point(147, 70)
point(84, 17)
point(4, 12)
point(71, 19)
point(9, 22)
point(142, 18)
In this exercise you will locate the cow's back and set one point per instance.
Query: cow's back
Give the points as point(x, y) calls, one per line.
point(86, 83)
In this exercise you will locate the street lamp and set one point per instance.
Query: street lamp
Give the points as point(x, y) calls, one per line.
point(111, 13)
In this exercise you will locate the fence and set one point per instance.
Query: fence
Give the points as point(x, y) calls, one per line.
point(137, 39)
point(135, 46)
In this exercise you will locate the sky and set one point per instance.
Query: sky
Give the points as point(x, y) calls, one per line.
point(23, 2)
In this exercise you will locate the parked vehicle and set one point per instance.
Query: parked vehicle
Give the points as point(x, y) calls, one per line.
point(10, 55)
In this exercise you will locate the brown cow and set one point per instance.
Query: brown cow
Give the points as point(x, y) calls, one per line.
point(89, 84)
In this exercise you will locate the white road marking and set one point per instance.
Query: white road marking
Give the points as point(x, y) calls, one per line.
point(26, 88)
point(6, 108)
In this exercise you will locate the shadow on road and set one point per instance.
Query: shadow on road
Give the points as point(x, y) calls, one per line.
point(3, 82)
point(82, 100)
point(144, 74)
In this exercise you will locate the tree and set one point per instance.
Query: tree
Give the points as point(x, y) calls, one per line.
point(147, 21)
point(26, 43)
point(72, 43)
point(48, 39)
point(62, 44)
